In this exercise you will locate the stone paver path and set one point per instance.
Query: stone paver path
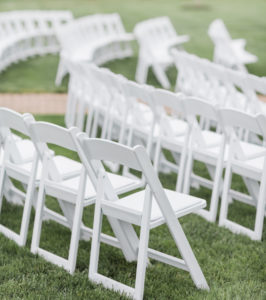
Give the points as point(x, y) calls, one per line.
point(41, 103)
point(35, 103)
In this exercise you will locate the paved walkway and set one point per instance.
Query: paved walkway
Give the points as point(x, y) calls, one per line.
point(41, 103)
point(35, 103)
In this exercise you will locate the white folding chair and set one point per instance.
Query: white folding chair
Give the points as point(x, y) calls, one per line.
point(19, 162)
point(73, 194)
point(209, 148)
point(173, 133)
point(96, 38)
point(155, 37)
point(22, 150)
point(148, 209)
point(228, 52)
point(248, 161)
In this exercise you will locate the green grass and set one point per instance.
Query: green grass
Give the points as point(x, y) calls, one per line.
point(234, 266)
point(244, 18)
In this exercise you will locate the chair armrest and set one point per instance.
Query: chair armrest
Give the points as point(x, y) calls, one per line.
point(179, 40)
point(241, 43)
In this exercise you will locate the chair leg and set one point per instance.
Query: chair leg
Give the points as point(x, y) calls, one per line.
point(157, 155)
point(225, 195)
point(61, 72)
point(260, 207)
point(143, 247)
point(188, 256)
point(39, 211)
point(142, 71)
point(75, 236)
point(2, 183)
point(97, 228)
point(186, 188)
point(161, 76)
point(212, 213)
point(181, 171)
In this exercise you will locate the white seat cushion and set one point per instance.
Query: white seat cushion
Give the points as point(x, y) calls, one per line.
point(26, 150)
point(120, 183)
point(67, 167)
point(181, 204)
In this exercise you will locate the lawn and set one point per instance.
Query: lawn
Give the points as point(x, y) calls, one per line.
point(233, 265)
point(244, 18)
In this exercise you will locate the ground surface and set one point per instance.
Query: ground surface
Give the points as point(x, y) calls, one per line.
point(234, 266)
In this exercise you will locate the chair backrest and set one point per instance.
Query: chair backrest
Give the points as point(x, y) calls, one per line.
point(218, 31)
point(43, 133)
point(234, 121)
point(154, 33)
point(238, 119)
point(28, 21)
point(12, 120)
point(199, 111)
point(168, 104)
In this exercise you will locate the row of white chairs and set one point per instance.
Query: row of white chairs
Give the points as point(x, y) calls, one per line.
point(220, 85)
point(28, 33)
point(158, 119)
point(95, 38)
point(77, 185)
point(157, 36)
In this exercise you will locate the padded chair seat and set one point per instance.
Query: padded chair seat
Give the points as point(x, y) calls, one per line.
point(181, 204)
point(26, 150)
point(68, 168)
point(120, 183)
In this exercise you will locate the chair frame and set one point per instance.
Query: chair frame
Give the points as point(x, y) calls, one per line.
point(136, 158)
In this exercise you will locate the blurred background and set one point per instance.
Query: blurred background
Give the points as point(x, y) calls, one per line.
point(243, 18)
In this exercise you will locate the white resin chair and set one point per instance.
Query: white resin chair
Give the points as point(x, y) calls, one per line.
point(97, 38)
point(209, 148)
point(248, 161)
point(148, 209)
point(155, 37)
point(19, 162)
point(29, 32)
point(73, 194)
point(174, 133)
point(22, 150)
point(228, 52)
